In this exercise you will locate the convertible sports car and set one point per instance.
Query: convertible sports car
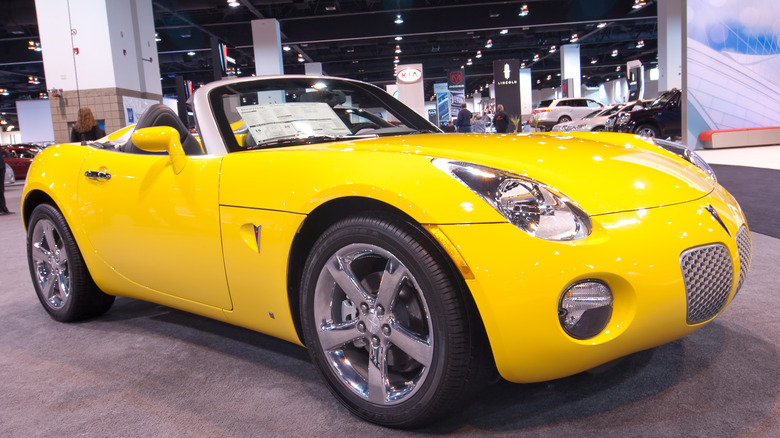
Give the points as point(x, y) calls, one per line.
point(412, 264)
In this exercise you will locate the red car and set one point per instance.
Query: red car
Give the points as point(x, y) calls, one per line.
point(19, 157)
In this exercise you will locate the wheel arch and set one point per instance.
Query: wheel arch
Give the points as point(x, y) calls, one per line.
point(33, 199)
point(327, 214)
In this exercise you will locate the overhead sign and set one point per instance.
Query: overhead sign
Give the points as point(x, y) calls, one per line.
point(409, 75)
point(457, 80)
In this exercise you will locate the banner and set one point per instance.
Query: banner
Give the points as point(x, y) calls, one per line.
point(506, 74)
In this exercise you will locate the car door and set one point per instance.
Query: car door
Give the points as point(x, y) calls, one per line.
point(155, 227)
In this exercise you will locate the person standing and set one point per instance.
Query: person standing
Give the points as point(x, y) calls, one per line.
point(86, 127)
point(478, 124)
point(501, 120)
point(3, 208)
point(464, 119)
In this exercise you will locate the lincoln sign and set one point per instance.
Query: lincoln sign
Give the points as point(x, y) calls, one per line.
point(409, 75)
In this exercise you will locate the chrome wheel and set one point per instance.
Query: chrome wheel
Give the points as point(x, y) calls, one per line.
point(50, 264)
point(60, 276)
point(373, 323)
point(646, 131)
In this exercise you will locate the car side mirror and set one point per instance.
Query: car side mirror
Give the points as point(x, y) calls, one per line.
point(162, 139)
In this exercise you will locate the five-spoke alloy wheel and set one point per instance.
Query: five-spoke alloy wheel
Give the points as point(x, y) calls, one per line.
point(58, 272)
point(385, 322)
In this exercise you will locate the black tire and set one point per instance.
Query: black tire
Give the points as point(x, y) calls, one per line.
point(423, 338)
point(564, 119)
point(648, 131)
point(598, 129)
point(59, 274)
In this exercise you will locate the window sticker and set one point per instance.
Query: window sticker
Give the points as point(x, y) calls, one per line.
point(270, 122)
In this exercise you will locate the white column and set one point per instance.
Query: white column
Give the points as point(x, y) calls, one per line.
point(526, 93)
point(570, 67)
point(100, 53)
point(670, 43)
point(267, 42)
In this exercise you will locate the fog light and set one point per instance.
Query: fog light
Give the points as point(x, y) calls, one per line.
point(585, 309)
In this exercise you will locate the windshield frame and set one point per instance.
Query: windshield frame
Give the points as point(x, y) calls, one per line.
point(403, 113)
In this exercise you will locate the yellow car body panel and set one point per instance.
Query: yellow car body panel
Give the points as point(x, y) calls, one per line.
point(518, 291)
point(145, 228)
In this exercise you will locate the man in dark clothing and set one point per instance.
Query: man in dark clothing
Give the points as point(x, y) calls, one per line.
point(464, 119)
point(501, 120)
point(3, 208)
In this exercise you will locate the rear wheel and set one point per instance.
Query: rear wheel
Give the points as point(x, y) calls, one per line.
point(386, 323)
point(59, 274)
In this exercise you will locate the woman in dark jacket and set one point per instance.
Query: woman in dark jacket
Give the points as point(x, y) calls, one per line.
point(86, 127)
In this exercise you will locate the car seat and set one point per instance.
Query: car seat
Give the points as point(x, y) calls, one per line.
point(160, 115)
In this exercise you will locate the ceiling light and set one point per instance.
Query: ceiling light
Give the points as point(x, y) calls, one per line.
point(469, 61)
point(504, 31)
point(538, 81)
point(549, 77)
point(638, 4)
point(3, 122)
point(399, 38)
point(523, 11)
point(522, 65)
point(574, 38)
point(4, 92)
point(157, 37)
point(43, 95)
point(396, 61)
point(601, 25)
point(233, 3)
point(640, 44)
point(614, 53)
point(32, 80)
point(536, 56)
point(489, 44)
point(397, 48)
point(191, 53)
point(300, 58)
point(552, 49)
point(286, 48)
point(617, 68)
point(398, 19)
point(479, 54)
point(593, 61)
point(10, 128)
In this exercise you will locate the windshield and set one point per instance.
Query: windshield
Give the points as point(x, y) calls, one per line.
point(281, 112)
point(663, 99)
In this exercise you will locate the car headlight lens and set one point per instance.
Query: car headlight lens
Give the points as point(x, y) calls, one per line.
point(585, 309)
point(686, 154)
point(623, 118)
point(533, 207)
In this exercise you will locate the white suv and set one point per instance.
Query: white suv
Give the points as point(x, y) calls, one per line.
point(551, 112)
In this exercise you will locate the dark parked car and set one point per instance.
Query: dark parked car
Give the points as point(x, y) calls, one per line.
point(662, 119)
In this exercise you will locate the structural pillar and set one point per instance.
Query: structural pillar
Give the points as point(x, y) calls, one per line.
point(267, 41)
point(102, 54)
point(570, 68)
point(526, 94)
point(670, 44)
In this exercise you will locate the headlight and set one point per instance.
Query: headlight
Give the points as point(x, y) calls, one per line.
point(585, 309)
point(686, 154)
point(623, 118)
point(537, 209)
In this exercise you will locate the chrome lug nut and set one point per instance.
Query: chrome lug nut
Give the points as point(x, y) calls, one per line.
point(361, 327)
point(380, 310)
point(375, 341)
point(363, 308)
point(386, 330)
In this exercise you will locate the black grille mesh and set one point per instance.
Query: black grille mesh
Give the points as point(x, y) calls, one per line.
point(708, 274)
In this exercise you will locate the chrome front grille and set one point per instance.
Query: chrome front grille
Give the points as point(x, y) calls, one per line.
point(708, 275)
point(745, 249)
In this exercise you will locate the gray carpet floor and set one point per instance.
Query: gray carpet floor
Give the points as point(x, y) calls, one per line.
point(147, 370)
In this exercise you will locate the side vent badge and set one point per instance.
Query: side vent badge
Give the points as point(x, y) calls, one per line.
point(715, 214)
point(257, 235)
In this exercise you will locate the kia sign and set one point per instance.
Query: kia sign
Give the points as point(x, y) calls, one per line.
point(409, 75)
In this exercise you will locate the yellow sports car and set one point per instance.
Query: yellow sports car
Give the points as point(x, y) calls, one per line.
point(412, 264)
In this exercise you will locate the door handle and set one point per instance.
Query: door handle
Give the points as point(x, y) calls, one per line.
point(95, 174)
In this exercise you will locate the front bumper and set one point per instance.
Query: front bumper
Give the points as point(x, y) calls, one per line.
point(519, 279)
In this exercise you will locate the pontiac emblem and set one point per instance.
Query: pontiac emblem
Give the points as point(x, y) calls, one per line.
point(715, 215)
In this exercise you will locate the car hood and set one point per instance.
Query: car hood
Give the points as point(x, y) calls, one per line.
point(602, 172)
